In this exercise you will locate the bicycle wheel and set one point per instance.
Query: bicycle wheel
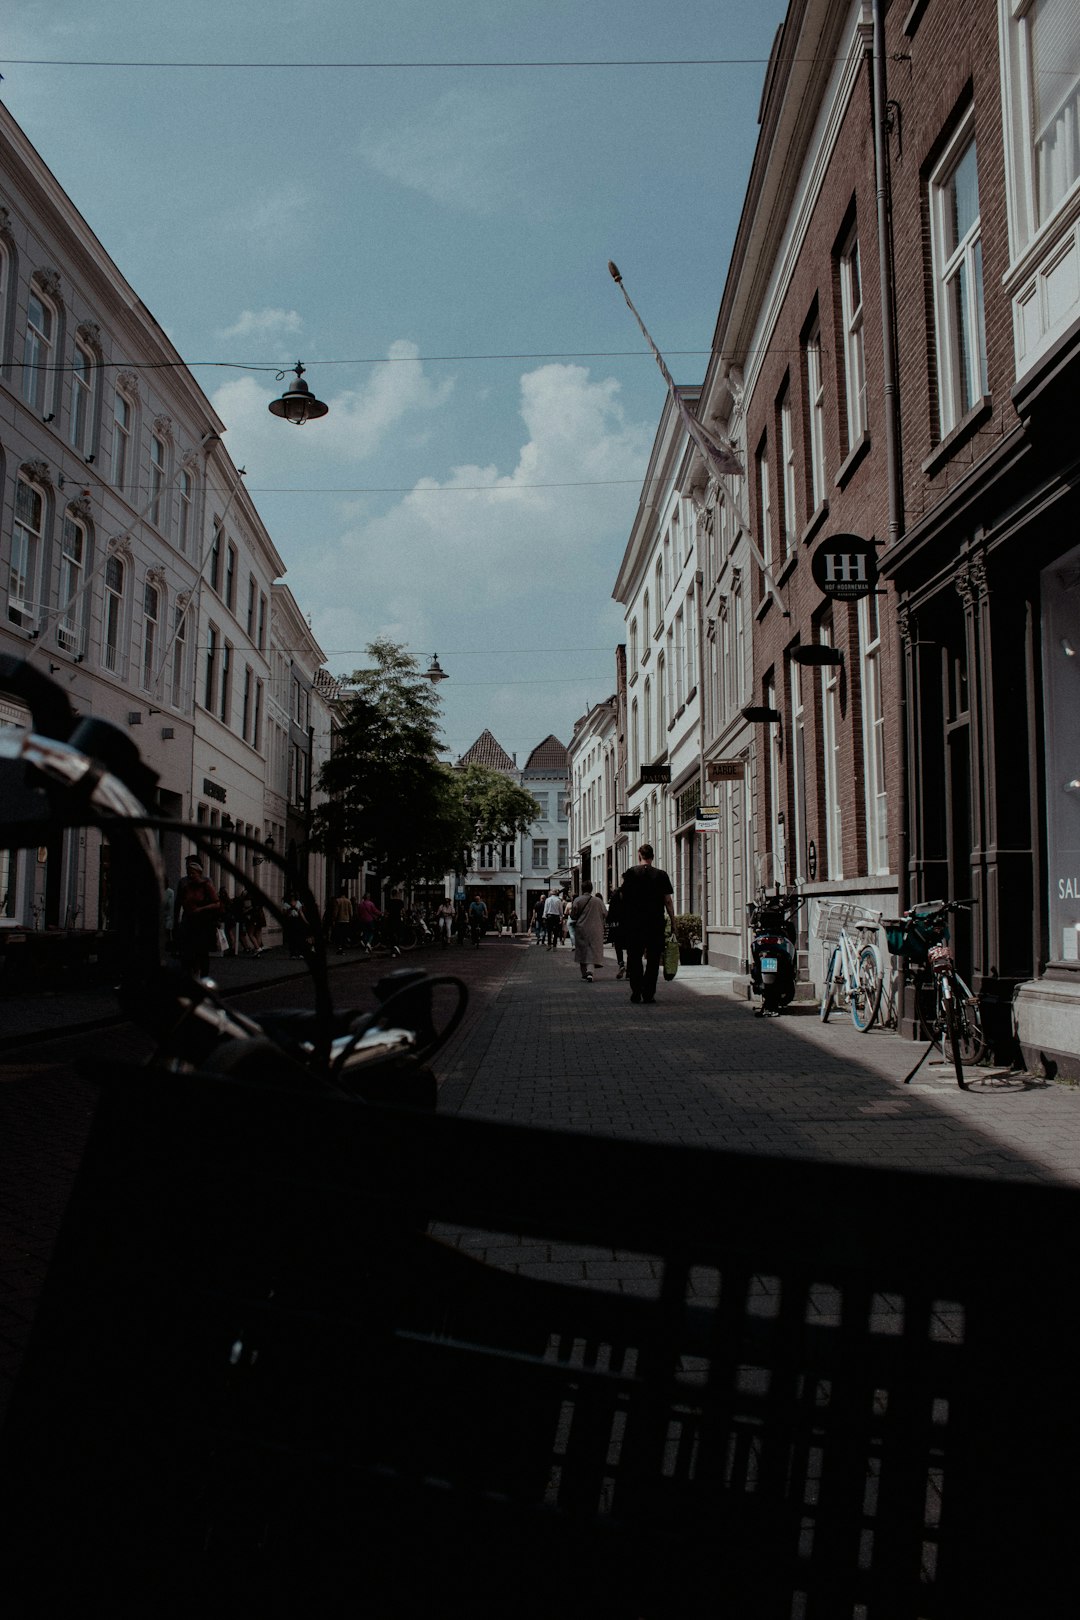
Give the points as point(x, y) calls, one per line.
point(867, 994)
point(405, 937)
point(973, 1043)
point(951, 1032)
point(828, 989)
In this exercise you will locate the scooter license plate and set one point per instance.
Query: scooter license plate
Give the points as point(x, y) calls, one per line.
point(768, 964)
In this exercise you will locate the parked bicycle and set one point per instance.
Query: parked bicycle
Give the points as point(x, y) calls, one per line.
point(946, 1006)
point(854, 973)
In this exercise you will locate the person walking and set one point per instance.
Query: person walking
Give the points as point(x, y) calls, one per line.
point(587, 915)
point(646, 893)
point(553, 919)
point(614, 926)
point(444, 922)
point(198, 911)
point(341, 916)
point(478, 915)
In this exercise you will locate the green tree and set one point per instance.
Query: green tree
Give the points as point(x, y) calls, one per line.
point(494, 809)
point(389, 801)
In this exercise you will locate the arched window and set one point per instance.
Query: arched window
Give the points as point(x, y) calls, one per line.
point(661, 699)
point(645, 621)
point(634, 754)
point(185, 494)
point(159, 456)
point(633, 645)
point(151, 619)
point(74, 552)
point(39, 376)
point(646, 704)
point(123, 432)
point(113, 616)
point(27, 546)
point(85, 372)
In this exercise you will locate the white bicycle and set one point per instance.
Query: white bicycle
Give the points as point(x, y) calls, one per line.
point(854, 975)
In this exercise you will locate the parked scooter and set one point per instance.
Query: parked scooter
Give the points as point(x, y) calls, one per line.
point(773, 948)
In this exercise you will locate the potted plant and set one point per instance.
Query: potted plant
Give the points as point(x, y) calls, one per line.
point(688, 934)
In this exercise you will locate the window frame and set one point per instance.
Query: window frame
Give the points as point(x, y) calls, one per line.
point(854, 345)
point(960, 333)
point(26, 605)
point(153, 604)
point(39, 348)
point(112, 616)
point(69, 633)
point(815, 417)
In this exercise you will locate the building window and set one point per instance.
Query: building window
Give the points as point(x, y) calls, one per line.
point(877, 820)
point(787, 456)
point(663, 667)
point(634, 752)
point(815, 415)
point(38, 376)
point(765, 503)
point(956, 240)
point(83, 389)
point(851, 310)
point(564, 806)
point(215, 560)
point(1043, 89)
point(158, 455)
point(776, 790)
point(72, 565)
point(113, 620)
point(633, 645)
point(646, 704)
point(798, 772)
point(539, 854)
point(256, 741)
point(245, 719)
point(210, 680)
point(185, 492)
point(542, 801)
point(645, 621)
point(226, 682)
point(659, 585)
point(230, 578)
point(123, 422)
point(179, 650)
point(253, 596)
point(830, 760)
point(151, 610)
point(564, 853)
point(262, 623)
point(26, 549)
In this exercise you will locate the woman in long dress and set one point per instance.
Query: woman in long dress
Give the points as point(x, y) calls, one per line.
point(588, 912)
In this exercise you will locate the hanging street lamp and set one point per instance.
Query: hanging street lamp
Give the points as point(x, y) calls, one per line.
point(298, 404)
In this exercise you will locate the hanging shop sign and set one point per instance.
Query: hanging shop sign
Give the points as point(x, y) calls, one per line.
point(656, 773)
point(844, 567)
point(629, 823)
point(707, 818)
point(725, 770)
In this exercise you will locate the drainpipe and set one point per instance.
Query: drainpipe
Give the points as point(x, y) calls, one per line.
point(892, 404)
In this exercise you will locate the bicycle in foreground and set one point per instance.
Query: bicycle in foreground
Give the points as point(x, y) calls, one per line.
point(854, 975)
point(946, 1006)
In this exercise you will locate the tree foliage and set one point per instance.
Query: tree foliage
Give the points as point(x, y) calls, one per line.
point(391, 801)
point(388, 802)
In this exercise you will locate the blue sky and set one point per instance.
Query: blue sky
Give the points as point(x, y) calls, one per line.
point(389, 226)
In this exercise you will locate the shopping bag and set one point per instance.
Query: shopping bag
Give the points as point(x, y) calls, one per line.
point(671, 955)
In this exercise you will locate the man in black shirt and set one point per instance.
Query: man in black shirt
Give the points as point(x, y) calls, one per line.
point(646, 893)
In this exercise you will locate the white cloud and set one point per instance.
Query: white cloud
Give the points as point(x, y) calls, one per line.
point(458, 150)
point(263, 324)
point(455, 551)
point(357, 426)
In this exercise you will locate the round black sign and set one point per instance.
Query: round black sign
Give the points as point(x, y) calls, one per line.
point(845, 567)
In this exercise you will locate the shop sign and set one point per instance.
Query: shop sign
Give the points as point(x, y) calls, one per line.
point(725, 770)
point(844, 567)
point(629, 823)
point(708, 818)
point(656, 773)
point(213, 791)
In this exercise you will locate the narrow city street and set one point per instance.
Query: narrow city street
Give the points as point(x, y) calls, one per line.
point(539, 1046)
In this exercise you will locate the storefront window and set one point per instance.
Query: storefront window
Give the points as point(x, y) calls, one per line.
point(1061, 680)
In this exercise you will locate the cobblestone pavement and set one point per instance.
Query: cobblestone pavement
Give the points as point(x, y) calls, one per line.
point(539, 1046)
point(698, 1068)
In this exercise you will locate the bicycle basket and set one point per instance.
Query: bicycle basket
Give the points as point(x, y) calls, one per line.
point(912, 937)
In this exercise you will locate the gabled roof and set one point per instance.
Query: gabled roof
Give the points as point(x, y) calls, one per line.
point(490, 753)
point(549, 756)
